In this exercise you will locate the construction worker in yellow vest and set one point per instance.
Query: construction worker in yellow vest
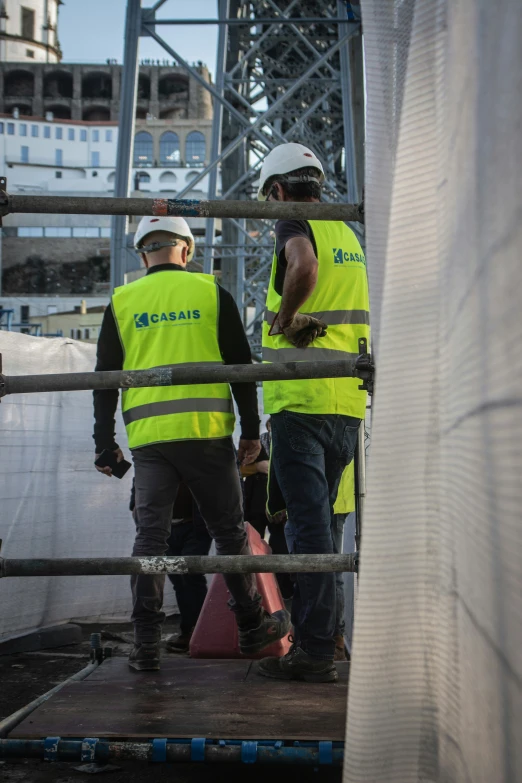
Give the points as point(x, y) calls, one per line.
point(181, 433)
point(317, 309)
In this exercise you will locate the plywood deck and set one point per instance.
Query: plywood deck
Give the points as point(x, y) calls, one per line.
point(191, 698)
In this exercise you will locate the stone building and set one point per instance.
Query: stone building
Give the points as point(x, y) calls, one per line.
point(92, 92)
point(29, 31)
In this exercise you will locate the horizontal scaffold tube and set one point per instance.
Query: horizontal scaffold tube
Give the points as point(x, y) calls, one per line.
point(193, 564)
point(171, 751)
point(175, 375)
point(102, 205)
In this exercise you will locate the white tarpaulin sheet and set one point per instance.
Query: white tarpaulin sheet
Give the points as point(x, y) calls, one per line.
point(436, 678)
point(53, 503)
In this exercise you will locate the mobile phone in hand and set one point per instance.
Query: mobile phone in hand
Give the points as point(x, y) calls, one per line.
point(108, 459)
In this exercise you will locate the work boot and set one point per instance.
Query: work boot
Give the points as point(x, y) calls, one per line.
point(145, 657)
point(340, 649)
point(298, 665)
point(263, 630)
point(181, 643)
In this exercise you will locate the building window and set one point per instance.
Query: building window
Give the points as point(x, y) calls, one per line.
point(56, 231)
point(10, 128)
point(195, 149)
point(86, 232)
point(24, 314)
point(70, 134)
point(143, 149)
point(59, 133)
point(86, 334)
point(95, 159)
point(169, 149)
point(30, 231)
point(34, 131)
point(27, 23)
point(1, 128)
point(72, 333)
point(29, 53)
point(58, 157)
point(96, 135)
point(24, 157)
point(47, 131)
point(108, 135)
point(58, 175)
point(78, 334)
point(83, 135)
point(23, 129)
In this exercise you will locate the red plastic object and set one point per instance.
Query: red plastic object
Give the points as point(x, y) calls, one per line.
point(215, 635)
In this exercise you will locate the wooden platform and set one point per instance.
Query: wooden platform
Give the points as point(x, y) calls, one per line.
point(191, 698)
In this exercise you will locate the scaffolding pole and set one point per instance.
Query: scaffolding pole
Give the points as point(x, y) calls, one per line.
point(350, 366)
point(103, 205)
point(192, 564)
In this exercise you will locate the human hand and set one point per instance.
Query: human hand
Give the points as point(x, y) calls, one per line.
point(107, 470)
point(262, 466)
point(303, 330)
point(248, 451)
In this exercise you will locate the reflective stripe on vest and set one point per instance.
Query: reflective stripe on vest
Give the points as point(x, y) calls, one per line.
point(333, 317)
point(340, 299)
point(171, 318)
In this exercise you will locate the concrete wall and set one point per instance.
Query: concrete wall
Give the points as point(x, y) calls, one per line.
point(16, 250)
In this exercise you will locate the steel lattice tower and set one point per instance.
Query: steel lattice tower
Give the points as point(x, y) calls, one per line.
point(293, 82)
point(286, 70)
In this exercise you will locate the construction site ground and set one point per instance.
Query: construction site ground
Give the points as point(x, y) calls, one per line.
point(25, 676)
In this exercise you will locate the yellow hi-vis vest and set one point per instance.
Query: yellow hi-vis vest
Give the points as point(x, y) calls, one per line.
point(340, 298)
point(345, 501)
point(165, 318)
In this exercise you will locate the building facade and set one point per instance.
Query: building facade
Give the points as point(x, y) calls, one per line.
point(92, 92)
point(29, 31)
point(69, 254)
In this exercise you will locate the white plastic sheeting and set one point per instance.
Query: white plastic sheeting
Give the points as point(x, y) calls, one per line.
point(436, 679)
point(53, 503)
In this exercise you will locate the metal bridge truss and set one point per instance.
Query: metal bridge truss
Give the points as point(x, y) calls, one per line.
point(286, 70)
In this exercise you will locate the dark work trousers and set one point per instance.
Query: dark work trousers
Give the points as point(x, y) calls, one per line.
point(208, 468)
point(278, 545)
point(310, 452)
point(187, 538)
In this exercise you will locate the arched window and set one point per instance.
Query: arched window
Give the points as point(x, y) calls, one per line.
point(111, 177)
point(168, 176)
point(195, 149)
point(143, 149)
point(169, 149)
point(191, 175)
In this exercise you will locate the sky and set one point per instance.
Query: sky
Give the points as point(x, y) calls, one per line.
point(91, 31)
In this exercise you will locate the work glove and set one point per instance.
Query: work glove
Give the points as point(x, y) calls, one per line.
point(303, 330)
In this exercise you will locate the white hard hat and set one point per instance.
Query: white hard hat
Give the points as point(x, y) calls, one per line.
point(284, 159)
point(174, 225)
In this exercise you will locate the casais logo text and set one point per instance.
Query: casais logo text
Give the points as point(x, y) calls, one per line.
point(341, 256)
point(145, 320)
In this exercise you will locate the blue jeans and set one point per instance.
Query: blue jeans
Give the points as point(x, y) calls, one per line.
point(310, 452)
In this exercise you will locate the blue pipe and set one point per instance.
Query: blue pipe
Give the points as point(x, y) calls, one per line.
point(178, 750)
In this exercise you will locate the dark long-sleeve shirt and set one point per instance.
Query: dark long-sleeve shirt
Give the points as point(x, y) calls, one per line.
point(234, 348)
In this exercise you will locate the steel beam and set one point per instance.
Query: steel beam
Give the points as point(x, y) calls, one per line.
point(126, 124)
point(217, 122)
